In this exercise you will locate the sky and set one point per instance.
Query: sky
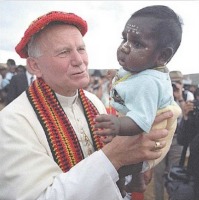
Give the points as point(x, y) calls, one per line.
point(106, 21)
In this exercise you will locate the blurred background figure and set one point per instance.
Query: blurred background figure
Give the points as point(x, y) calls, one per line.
point(3, 71)
point(180, 92)
point(19, 83)
point(100, 85)
point(20, 69)
point(95, 84)
point(11, 70)
point(192, 88)
point(189, 136)
point(106, 87)
point(196, 94)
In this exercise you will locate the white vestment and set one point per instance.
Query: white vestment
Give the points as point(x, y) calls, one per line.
point(27, 168)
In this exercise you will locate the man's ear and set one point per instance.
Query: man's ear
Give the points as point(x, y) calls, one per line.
point(165, 56)
point(33, 67)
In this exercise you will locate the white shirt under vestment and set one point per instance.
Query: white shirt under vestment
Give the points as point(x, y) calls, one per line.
point(27, 168)
point(30, 77)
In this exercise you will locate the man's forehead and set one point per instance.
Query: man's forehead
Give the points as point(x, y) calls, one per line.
point(56, 33)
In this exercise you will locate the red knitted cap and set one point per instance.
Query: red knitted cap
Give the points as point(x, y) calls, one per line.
point(44, 20)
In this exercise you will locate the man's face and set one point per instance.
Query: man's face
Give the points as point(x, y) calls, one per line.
point(176, 85)
point(138, 50)
point(63, 61)
point(12, 68)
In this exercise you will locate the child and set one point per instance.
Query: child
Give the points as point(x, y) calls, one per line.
point(142, 88)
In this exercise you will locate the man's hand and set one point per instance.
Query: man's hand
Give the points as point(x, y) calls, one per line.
point(127, 150)
point(162, 117)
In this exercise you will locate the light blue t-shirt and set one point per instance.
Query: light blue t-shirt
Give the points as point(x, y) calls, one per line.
point(142, 95)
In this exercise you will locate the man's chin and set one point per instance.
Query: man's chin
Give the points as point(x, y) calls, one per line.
point(83, 83)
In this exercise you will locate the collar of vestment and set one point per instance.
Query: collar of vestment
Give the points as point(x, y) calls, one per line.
point(67, 101)
point(61, 137)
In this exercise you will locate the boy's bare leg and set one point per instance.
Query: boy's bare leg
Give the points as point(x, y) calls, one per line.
point(137, 184)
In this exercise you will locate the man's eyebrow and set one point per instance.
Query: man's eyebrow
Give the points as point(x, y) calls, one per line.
point(82, 45)
point(61, 49)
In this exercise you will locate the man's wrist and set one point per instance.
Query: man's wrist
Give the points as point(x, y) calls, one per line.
point(109, 166)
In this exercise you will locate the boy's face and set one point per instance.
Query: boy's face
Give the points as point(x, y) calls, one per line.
point(138, 50)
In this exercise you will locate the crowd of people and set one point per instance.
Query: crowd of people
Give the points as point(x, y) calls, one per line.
point(15, 79)
point(55, 145)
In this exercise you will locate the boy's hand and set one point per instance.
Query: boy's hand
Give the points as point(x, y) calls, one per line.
point(107, 125)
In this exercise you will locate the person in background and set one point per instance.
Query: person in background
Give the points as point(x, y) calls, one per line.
point(47, 143)
point(180, 93)
point(95, 84)
point(1, 77)
point(20, 69)
point(106, 92)
point(193, 88)
point(11, 66)
point(189, 136)
point(3, 71)
point(142, 85)
point(196, 94)
point(19, 83)
point(173, 156)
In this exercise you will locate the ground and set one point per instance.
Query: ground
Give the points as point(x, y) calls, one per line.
point(149, 195)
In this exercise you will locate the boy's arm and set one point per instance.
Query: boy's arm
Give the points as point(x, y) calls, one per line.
point(128, 126)
point(112, 125)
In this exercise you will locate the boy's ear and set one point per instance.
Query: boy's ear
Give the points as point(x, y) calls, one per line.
point(33, 67)
point(165, 56)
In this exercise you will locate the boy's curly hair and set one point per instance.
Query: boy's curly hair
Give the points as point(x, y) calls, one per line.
point(168, 30)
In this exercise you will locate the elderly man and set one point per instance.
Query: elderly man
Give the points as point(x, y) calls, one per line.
point(47, 132)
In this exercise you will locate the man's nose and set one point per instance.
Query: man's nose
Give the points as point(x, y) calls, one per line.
point(76, 58)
